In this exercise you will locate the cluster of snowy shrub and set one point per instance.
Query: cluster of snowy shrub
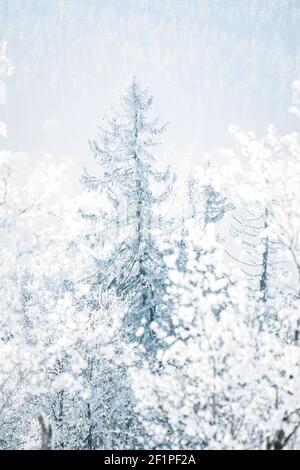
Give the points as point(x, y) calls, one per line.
point(131, 322)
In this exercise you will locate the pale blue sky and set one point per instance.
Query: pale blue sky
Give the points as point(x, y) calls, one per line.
point(209, 63)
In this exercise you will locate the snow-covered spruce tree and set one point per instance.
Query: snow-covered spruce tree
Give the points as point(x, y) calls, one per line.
point(135, 188)
point(216, 205)
point(199, 397)
point(257, 255)
point(205, 203)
